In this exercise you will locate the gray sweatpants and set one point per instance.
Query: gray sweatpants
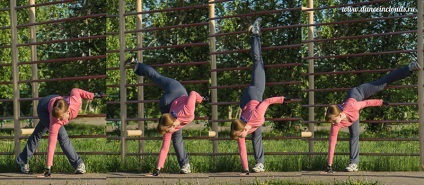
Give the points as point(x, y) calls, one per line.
point(363, 92)
point(43, 126)
point(255, 91)
point(173, 90)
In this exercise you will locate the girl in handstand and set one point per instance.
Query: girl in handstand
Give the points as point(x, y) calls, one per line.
point(253, 108)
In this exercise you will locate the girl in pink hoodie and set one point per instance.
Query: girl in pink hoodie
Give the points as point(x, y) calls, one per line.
point(177, 108)
point(347, 113)
point(55, 112)
point(253, 108)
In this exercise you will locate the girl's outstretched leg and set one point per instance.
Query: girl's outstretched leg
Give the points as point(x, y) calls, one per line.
point(258, 73)
point(256, 87)
point(173, 88)
point(148, 71)
point(368, 89)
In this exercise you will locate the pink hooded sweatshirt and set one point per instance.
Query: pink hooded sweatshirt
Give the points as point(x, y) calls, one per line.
point(75, 103)
point(183, 107)
point(351, 108)
point(253, 112)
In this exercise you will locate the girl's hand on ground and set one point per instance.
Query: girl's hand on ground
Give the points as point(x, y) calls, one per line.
point(47, 173)
point(328, 170)
point(155, 173)
point(244, 173)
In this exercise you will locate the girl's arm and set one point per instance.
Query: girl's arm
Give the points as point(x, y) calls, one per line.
point(370, 103)
point(75, 101)
point(193, 97)
point(263, 106)
point(82, 94)
point(55, 125)
point(332, 142)
point(243, 153)
point(166, 142)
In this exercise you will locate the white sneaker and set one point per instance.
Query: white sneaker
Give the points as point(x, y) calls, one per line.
point(185, 169)
point(80, 169)
point(24, 167)
point(259, 167)
point(130, 60)
point(352, 167)
point(413, 66)
point(255, 28)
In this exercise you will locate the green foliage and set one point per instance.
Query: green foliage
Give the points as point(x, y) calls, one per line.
point(94, 47)
point(277, 37)
point(372, 44)
point(61, 50)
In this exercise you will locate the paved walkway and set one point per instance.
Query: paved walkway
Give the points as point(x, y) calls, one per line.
point(311, 177)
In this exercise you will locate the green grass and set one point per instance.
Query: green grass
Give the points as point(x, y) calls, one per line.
point(113, 163)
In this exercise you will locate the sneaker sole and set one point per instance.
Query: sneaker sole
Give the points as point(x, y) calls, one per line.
point(258, 171)
point(79, 172)
point(183, 172)
point(352, 170)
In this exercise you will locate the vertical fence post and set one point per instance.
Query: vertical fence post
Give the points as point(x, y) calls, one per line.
point(123, 90)
point(214, 94)
point(34, 67)
point(311, 78)
point(15, 73)
point(140, 79)
point(420, 81)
